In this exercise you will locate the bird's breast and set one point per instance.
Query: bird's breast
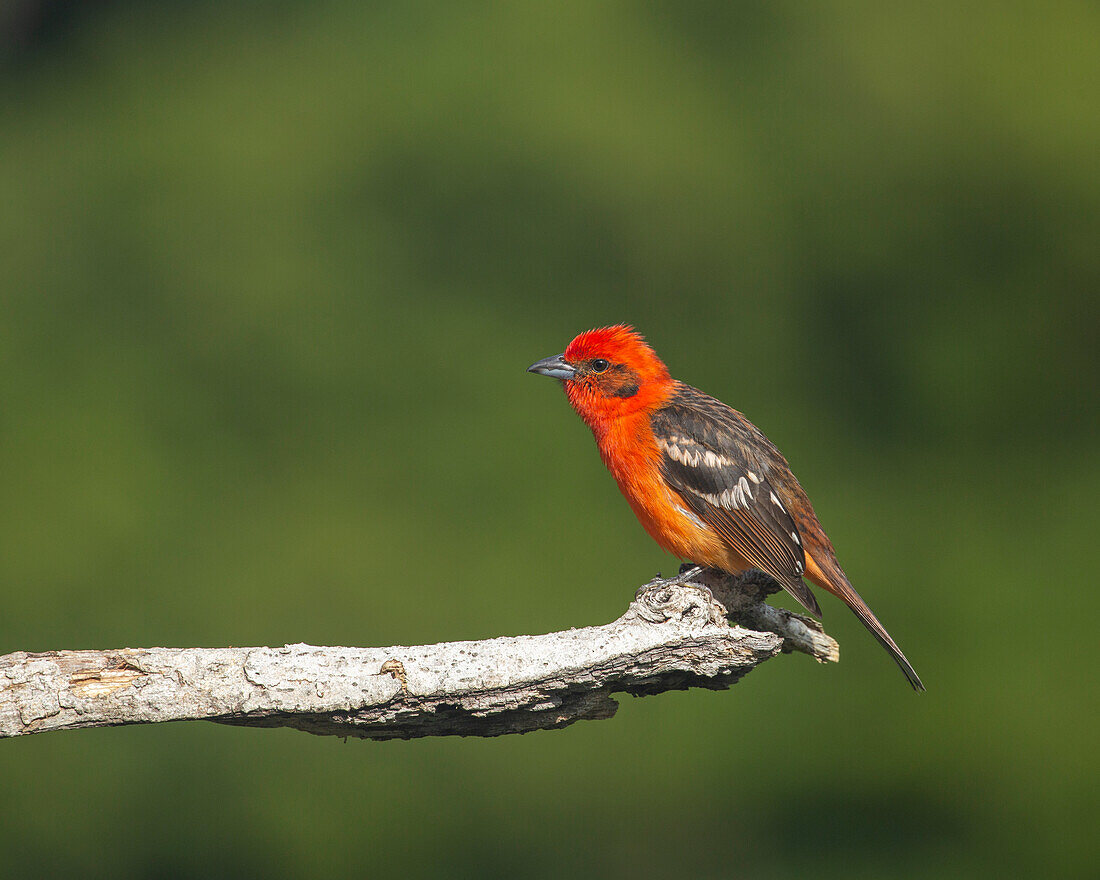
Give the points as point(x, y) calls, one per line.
point(631, 454)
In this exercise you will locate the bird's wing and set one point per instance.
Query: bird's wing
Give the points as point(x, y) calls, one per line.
point(708, 457)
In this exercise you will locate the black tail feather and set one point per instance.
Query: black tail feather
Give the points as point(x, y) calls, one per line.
point(867, 617)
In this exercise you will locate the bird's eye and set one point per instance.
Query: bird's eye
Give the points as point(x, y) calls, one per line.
point(599, 365)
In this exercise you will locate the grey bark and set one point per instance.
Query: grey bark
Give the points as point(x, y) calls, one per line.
point(675, 635)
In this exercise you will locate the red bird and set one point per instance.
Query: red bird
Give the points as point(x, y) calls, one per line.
point(703, 480)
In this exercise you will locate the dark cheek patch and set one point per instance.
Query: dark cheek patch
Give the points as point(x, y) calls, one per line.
point(622, 382)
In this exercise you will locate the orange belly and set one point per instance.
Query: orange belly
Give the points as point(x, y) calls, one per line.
point(632, 457)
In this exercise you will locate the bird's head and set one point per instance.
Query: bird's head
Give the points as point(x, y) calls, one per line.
point(608, 373)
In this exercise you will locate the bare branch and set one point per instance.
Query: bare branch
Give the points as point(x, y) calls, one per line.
point(673, 636)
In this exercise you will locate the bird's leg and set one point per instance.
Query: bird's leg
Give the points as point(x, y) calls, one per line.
point(689, 574)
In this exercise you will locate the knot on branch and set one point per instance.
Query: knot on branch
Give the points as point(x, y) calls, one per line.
point(677, 601)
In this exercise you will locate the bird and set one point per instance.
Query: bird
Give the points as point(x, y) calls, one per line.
point(703, 480)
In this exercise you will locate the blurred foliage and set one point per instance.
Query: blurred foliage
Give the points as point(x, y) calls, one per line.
point(272, 275)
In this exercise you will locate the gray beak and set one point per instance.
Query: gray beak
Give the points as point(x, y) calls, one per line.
point(556, 367)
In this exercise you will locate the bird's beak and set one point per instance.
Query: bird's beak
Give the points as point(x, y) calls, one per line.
point(556, 367)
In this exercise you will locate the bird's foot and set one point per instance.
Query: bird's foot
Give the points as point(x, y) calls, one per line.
point(689, 574)
point(689, 570)
point(683, 597)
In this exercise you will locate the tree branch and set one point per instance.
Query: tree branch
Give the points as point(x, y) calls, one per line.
point(673, 636)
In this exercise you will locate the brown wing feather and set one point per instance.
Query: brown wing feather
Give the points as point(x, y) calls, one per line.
point(748, 539)
point(695, 422)
point(707, 457)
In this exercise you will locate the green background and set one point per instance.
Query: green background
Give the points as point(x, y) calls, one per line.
point(271, 275)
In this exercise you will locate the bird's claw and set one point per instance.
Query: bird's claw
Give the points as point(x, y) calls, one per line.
point(687, 575)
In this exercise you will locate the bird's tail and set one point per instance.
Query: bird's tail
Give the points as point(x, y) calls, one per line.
point(837, 584)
